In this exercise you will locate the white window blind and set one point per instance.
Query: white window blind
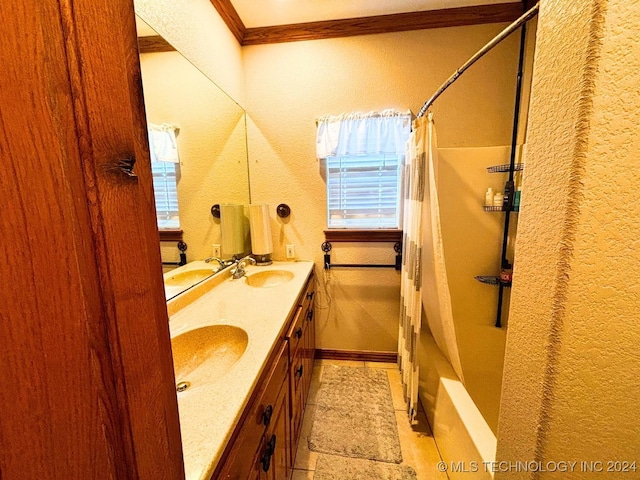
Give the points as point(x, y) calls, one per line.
point(364, 155)
point(166, 194)
point(364, 191)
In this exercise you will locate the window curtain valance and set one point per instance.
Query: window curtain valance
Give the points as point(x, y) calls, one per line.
point(373, 133)
point(163, 144)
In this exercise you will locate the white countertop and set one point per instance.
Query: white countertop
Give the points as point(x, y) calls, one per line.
point(209, 413)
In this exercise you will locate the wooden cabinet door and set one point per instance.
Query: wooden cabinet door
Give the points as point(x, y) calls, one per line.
point(86, 356)
point(264, 415)
point(276, 442)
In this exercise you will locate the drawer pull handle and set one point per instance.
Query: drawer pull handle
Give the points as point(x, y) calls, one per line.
point(299, 332)
point(299, 371)
point(268, 453)
point(310, 295)
point(266, 416)
point(310, 315)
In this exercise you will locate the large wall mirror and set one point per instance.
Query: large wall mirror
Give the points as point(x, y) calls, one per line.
point(211, 142)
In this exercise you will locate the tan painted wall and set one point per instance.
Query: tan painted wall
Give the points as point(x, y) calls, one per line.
point(289, 85)
point(211, 143)
point(195, 28)
point(570, 383)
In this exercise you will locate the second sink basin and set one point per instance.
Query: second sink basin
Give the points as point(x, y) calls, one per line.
point(269, 278)
point(206, 353)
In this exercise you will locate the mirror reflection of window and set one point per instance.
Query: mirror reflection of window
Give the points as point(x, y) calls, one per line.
point(213, 165)
point(165, 187)
point(165, 167)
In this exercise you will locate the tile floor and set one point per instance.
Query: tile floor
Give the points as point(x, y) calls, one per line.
point(418, 446)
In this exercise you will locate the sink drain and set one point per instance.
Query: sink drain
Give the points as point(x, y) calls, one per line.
point(182, 386)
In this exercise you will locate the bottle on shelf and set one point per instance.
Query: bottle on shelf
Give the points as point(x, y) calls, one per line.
point(506, 272)
point(516, 199)
point(488, 197)
point(497, 199)
point(518, 193)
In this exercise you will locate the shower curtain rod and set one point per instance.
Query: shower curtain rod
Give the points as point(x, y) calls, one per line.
point(501, 36)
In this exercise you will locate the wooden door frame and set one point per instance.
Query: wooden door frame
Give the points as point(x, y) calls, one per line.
point(84, 316)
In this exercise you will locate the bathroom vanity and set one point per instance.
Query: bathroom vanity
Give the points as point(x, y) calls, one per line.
point(243, 353)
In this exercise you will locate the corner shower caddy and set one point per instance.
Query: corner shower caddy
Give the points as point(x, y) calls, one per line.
point(507, 208)
point(511, 167)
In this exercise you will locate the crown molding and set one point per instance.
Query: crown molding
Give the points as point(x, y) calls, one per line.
point(230, 16)
point(399, 22)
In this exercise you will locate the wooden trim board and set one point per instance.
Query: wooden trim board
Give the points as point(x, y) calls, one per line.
point(400, 22)
point(170, 235)
point(230, 16)
point(154, 44)
point(363, 235)
point(356, 355)
point(347, 27)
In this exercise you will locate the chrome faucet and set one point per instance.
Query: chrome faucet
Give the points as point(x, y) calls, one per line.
point(238, 270)
point(222, 263)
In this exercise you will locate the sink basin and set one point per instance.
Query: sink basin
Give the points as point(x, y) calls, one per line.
point(188, 277)
point(206, 353)
point(269, 278)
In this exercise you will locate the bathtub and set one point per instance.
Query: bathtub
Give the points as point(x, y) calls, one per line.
point(464, 438)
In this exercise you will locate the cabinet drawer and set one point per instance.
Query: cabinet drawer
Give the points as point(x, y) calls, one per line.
point(296, 332)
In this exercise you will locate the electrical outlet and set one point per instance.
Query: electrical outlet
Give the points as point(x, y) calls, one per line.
point(291, 252)
point(216, 250)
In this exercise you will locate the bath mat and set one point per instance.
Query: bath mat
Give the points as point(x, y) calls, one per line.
point(354, 415)
point(330, 467)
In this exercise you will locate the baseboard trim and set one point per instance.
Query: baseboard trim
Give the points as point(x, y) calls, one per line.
point(357, 355)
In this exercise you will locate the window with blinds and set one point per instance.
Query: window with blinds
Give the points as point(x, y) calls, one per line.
point(165, 180)
point(364, 191)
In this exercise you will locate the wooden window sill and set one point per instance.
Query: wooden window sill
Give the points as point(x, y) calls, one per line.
point(170, 235)
point(372, 235)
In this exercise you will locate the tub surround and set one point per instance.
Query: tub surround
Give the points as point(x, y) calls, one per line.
point(461, 432)
point(210, 412)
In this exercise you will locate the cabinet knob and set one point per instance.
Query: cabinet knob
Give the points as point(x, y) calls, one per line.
point(266, 415)
point(268, 453)
point(310, 315)
point(299, 371)
point(299, 332)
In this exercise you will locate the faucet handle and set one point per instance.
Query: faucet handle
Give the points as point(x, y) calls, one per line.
point(243, 261)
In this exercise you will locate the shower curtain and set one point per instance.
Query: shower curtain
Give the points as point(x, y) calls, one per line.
point(424, 273)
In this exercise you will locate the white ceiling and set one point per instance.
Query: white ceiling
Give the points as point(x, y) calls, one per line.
point(262, 13)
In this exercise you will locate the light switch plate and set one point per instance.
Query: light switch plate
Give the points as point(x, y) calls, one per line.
point(216, 250)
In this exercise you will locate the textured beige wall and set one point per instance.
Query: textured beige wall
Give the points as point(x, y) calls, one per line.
point(211, 143)
point(570, 382)
point(195, 29)
point(289, 85)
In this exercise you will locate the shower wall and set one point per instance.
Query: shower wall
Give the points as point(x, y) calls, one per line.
point(472, 241)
